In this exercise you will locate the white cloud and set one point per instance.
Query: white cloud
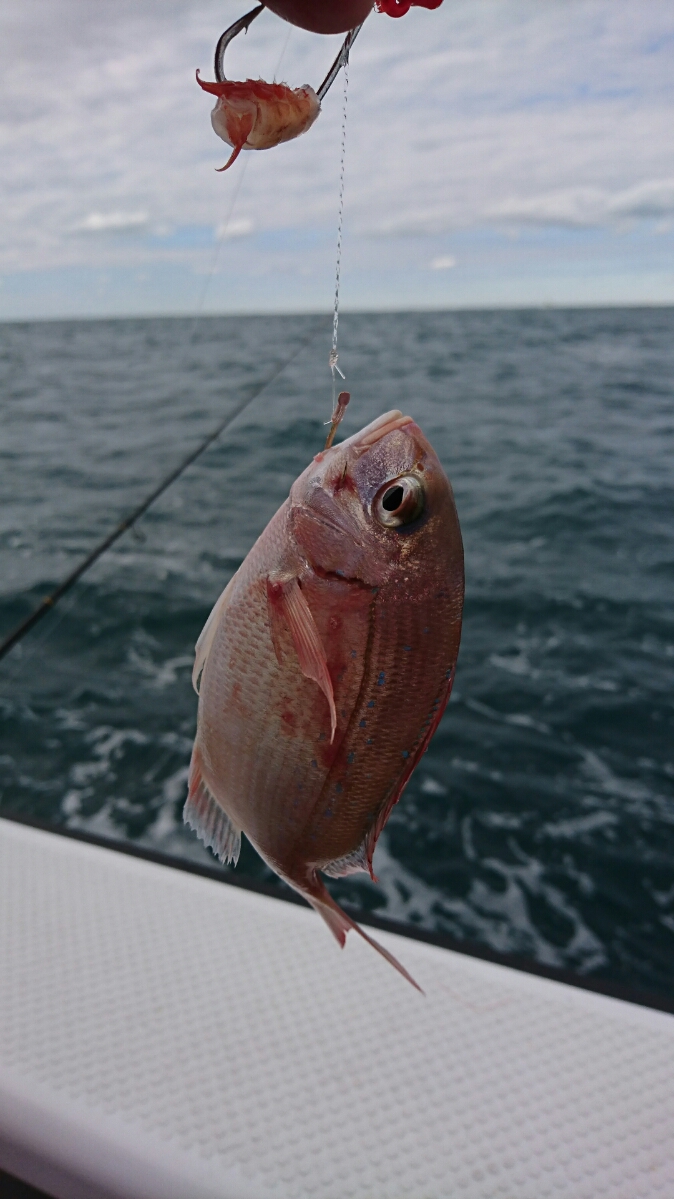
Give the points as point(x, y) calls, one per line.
point(482, 113)
point(588, 206)
point(651, 199)
point(444, 262)
point(112, 222)
point(239, 227)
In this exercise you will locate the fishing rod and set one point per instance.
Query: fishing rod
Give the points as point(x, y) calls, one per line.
point(50, 601)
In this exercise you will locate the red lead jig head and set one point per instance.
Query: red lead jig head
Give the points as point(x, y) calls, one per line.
point(398, 8)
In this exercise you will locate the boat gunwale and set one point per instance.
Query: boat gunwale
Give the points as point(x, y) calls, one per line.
point(413, 932)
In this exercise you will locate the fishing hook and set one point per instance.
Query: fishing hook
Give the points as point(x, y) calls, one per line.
point(244, 23)
point(341, 59)
point(238, 27)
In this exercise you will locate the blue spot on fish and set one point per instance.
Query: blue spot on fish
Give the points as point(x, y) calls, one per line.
point(407, 648)
point(314, 763)
point(382, 679)
point(351, 758)
point(371, 704)
point(405, 754)
point(369, 741)
point(328, 811)
point(339, 788)
point(362, 724)
point(354, 654)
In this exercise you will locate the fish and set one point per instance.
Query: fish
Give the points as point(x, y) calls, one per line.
point(254, 115)
point(326, 664)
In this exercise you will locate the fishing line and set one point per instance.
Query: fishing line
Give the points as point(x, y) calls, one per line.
point(338, 266)
point(50, 601)
point(283, 52)
point(222, 235)
point(224, 229)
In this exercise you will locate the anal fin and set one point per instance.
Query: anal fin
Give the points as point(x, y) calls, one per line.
point(208, 819)
point(353, 863)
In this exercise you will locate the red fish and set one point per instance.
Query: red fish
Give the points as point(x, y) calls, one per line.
point(254, 115)
point(327, 662)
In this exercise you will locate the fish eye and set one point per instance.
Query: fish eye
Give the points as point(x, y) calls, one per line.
point(400, 502)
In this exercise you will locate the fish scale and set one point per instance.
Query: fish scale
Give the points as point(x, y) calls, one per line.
point(380, 749)
point(327, 662)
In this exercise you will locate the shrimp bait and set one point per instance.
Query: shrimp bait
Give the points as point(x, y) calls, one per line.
point(254, 115)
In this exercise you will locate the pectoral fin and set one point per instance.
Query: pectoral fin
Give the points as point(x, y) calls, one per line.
point(286, 602)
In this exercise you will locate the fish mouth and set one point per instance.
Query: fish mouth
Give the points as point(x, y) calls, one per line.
point(345, 528)
point(378, 428)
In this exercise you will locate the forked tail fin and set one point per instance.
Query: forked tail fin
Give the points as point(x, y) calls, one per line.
point(340, 924)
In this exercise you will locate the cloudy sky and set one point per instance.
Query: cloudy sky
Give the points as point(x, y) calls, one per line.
point(498, 152)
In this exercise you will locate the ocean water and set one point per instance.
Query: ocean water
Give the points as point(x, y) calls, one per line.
point(541, 822)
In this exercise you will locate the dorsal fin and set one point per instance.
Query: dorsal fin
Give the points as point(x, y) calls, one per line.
point(203, 647)
point(428, 729)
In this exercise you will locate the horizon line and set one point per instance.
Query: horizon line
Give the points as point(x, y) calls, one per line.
point(345, 311)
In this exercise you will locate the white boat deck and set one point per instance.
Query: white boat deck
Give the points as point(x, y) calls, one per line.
point(163, 1036)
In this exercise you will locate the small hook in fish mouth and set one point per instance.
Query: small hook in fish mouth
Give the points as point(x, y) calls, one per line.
point(242, 25)
point(239, 26)
point(336, 418)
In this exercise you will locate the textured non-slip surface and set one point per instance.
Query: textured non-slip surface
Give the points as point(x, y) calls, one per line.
point(163, 1036)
